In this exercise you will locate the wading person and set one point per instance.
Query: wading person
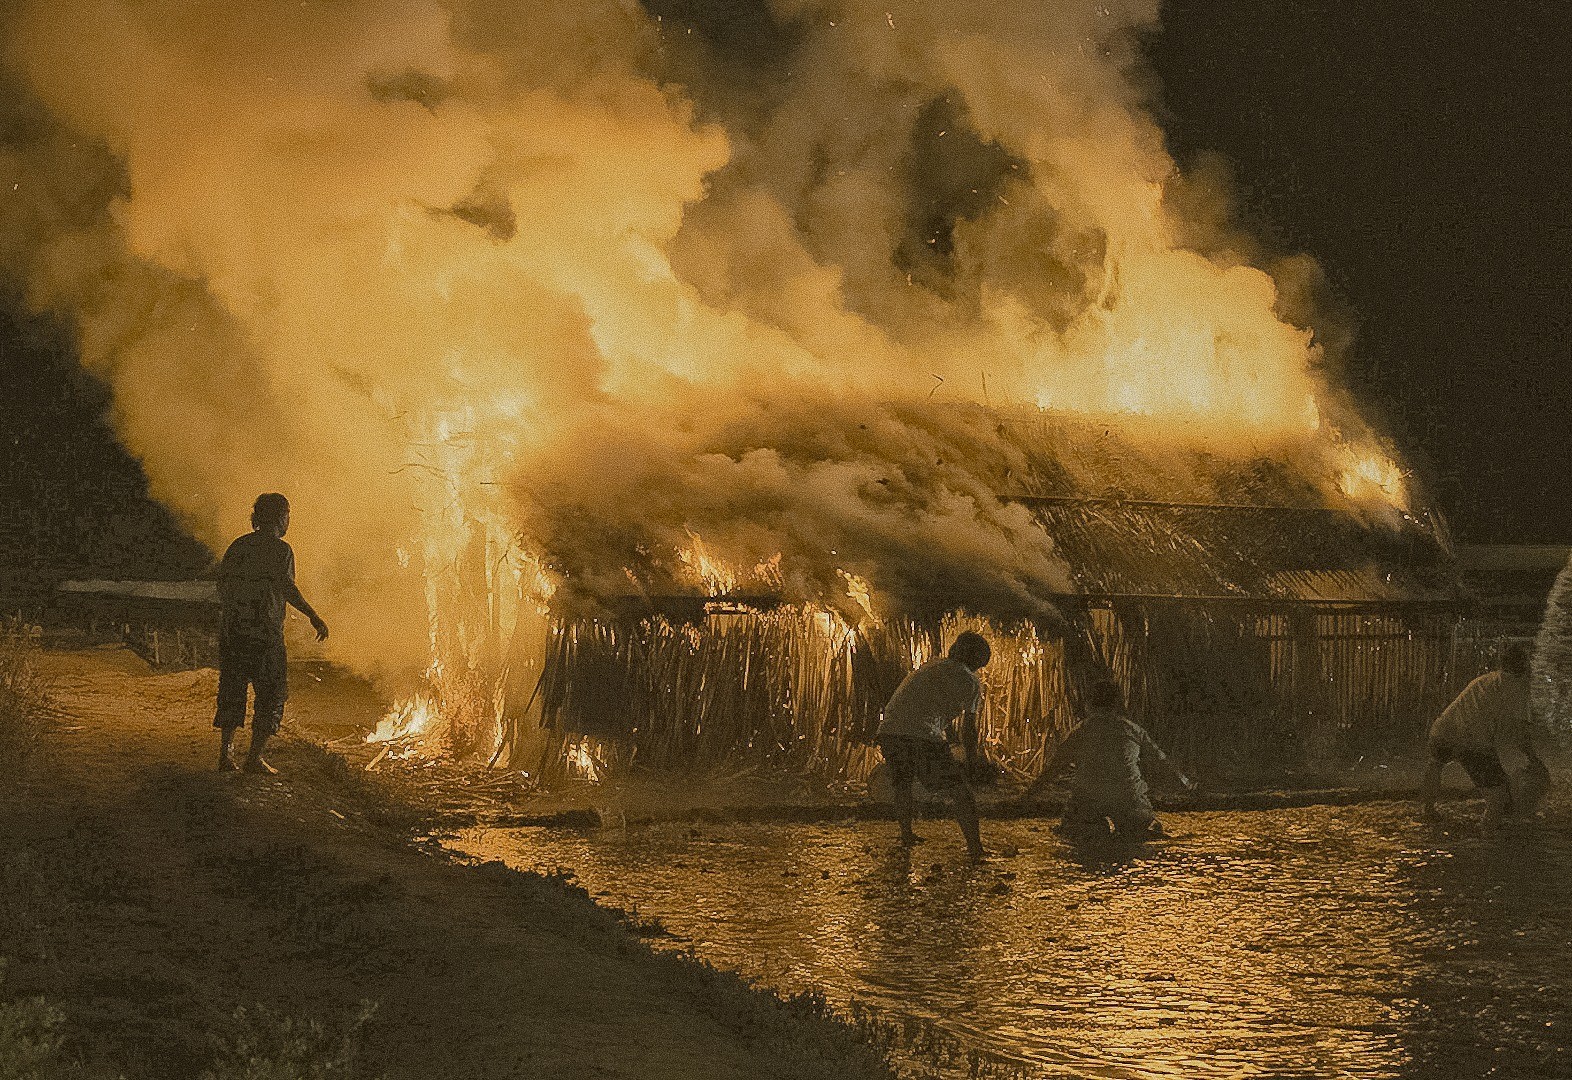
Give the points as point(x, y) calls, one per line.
point(915, 728)
point(256, 579)
point(1108, 788)
point(1492, 711)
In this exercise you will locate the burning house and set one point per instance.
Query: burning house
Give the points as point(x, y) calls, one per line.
point(633, 419)
point(1248, 616)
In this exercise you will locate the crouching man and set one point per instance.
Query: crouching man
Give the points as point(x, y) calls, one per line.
point(256, 579)
point(1492, 711)
point(916, 725)
point(1108, 787)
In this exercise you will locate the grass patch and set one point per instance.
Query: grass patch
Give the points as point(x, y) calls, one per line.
point(30, 1038)
point(33, 1041)
point(256, 1043)
point(262, 1044)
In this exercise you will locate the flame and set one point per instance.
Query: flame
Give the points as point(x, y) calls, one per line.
point(480, 583)
point(768, 572)
point(717, 577)
point(581, 761)
point(1370, 476)
point(859, 592)
point(414, 719)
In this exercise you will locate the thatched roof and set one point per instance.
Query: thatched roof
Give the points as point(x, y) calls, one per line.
point(1139, 516)
point(1268, 553)
point(1184, 523)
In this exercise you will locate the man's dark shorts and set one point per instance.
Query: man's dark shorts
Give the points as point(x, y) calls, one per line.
point(927, 761)
point(1483, 766)
point(259, 667)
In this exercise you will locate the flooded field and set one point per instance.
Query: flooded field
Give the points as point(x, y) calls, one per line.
point(1337, 942)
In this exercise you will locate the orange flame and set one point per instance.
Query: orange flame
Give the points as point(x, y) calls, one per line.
point(1372, 477)
point(582, 762)
point(413, 720)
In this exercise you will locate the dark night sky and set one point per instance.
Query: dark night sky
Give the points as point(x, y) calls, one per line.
point(1422, 158)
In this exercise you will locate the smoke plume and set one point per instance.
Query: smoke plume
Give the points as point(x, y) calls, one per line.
point(617, 283)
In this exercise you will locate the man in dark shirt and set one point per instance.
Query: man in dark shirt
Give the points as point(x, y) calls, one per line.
point(256, 579)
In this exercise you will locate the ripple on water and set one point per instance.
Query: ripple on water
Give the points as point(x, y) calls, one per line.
point(1326, 941)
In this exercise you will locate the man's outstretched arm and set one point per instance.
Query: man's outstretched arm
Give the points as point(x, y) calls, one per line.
point(1149, 746)
point(1061, 759)
point(298, 602)
point(293, 597)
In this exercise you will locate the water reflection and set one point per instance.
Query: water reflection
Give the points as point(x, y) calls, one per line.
point(1322, 941)
point(1492, 994)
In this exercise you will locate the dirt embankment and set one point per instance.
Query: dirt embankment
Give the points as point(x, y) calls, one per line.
point(149, 897)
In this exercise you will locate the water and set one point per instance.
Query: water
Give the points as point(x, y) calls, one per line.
point(1347, 942)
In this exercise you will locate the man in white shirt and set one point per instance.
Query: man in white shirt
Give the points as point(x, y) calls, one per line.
point(1492, 711)
point(914, 731)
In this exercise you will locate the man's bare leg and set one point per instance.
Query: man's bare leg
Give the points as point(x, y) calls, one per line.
point(226, 756)
point(254, 761)
point(1498, 804)
point(966, 818)
point(903, 810)
point(1430, 789)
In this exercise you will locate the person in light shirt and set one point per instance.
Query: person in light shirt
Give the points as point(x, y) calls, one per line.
point(1492, 712)
point(914, 733)
point(1107, 787)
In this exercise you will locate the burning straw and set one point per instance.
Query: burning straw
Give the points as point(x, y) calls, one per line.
point(795, 691)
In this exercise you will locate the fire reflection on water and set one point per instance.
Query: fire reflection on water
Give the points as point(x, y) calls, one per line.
point(1323, 941)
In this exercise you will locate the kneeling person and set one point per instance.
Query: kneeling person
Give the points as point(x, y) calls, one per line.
point(256, 579)
point(1108, 786)
point(914, 730)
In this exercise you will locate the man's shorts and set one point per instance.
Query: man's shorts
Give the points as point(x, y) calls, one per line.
point(927, 761)
point(1483, 766)
point(261, 668)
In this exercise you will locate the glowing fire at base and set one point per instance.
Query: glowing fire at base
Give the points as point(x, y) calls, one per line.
point(582, 762)
point(412, 721)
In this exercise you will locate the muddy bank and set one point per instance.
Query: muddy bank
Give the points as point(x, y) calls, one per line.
point(149, 898)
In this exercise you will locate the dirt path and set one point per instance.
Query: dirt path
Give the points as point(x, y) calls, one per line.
point(149, 897)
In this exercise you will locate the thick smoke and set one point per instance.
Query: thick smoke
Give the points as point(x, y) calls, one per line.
point(567, 273)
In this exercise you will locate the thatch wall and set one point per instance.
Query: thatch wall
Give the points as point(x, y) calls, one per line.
point(1226, 687)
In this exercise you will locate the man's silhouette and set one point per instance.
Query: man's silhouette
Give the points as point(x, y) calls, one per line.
point(256, 579)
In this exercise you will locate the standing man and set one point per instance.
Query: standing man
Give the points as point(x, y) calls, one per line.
point(256, 579)
point(915, 727)
point(1492, 711)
